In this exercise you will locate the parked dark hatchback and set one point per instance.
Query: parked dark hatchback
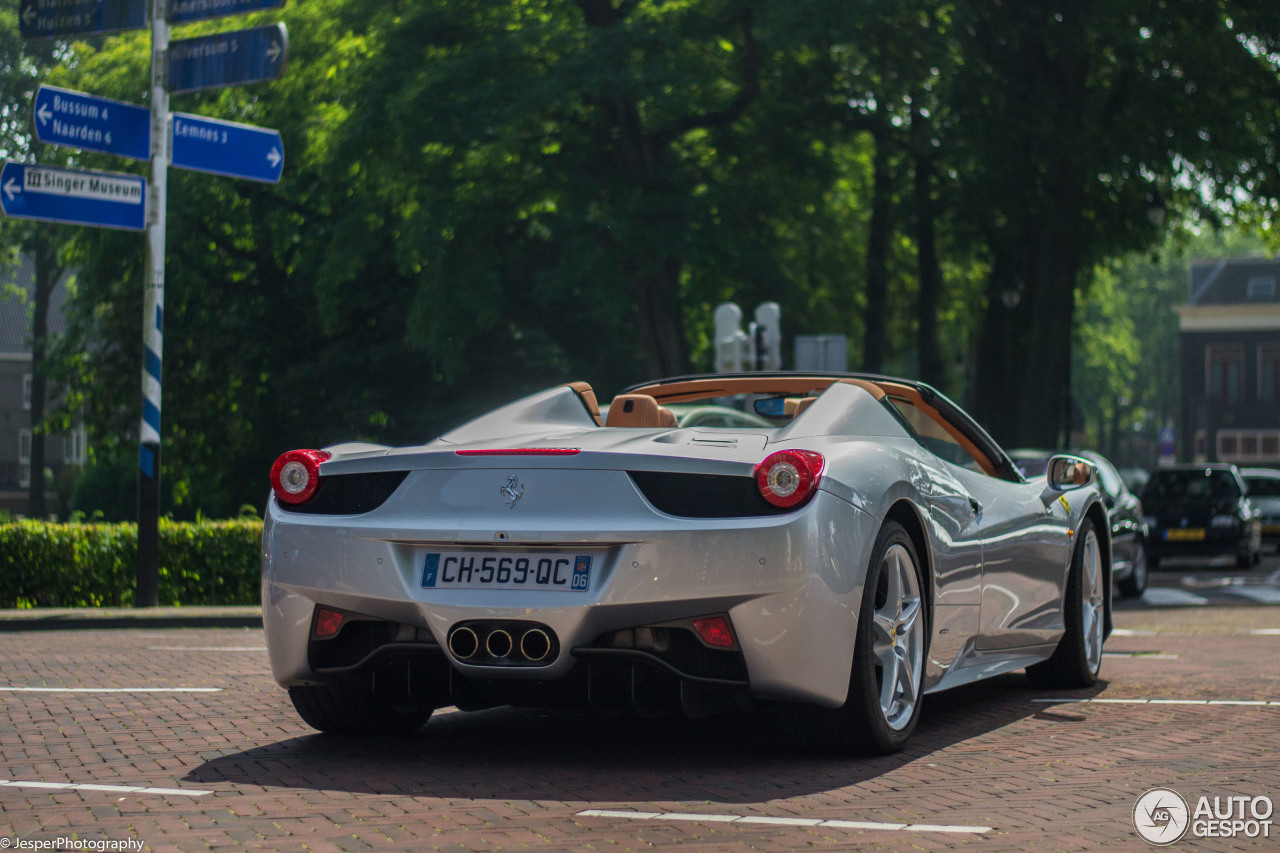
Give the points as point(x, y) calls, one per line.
point(1201, 511)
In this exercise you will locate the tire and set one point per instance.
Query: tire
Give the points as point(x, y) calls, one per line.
point(1136, 584)
point(350, 711)
point(1076, 661)
point(1245, 561)
point(892, 641)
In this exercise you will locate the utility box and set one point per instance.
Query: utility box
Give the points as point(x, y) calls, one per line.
point(822, 352)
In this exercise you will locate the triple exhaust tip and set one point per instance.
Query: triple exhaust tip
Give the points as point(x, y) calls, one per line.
point(534, 645)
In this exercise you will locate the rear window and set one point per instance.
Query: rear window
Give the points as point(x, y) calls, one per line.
point(1190, 485)
point(1263, 487)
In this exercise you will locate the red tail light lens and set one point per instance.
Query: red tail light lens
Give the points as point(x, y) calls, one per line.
point(789, 477)
point(296, 475)
point(714, 631)
point(328, 622)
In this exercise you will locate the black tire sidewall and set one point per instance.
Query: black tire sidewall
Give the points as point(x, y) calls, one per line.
point(874, 735)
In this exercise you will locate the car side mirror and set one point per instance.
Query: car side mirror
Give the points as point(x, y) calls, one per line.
point(1070, 472)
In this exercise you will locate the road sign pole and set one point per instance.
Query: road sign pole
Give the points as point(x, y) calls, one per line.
point(153, 319)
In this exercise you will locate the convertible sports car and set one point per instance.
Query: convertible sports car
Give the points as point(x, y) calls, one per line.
point(870, 546)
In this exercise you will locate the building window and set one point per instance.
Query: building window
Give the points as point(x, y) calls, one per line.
point(73, 447)
point(26, 391)
point(1249, 446)
point(1261, 288)
point(1224, 365)
point(1269, 373)
point(24, 458)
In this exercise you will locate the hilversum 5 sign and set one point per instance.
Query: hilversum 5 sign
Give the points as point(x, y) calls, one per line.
point(76, 197)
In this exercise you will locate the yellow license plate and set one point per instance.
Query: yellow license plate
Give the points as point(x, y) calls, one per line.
point(1184, 534)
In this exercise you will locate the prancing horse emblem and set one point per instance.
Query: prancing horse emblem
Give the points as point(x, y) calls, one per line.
point(512, 491)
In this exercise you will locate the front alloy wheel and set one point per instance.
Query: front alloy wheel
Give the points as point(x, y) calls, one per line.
point(1078, 658)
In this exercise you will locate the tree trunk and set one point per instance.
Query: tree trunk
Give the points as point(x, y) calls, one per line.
point(666, 353)
point(931, 365)
point(47, 273)
point(874, 345)
point(999, 348)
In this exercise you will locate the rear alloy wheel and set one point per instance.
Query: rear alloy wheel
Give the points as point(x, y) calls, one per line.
point(886, 680)
point(351, 711)
point(1076, 661)
point(1136, 584)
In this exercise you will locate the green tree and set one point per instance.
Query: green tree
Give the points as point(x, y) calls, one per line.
point(1073, 118)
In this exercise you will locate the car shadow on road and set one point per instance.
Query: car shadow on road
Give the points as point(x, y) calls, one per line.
point(519, 754)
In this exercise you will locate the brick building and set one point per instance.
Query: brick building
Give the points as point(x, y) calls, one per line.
point(1230, 336)
point(61, 449)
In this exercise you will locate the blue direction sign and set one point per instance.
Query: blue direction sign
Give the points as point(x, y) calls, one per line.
point(228, 59)
point(104, 199)
point(226, 148)
point(64, 117)
point(43, 19)
point(186, 11)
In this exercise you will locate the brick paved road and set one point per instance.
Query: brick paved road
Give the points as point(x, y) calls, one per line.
point(1040, 775)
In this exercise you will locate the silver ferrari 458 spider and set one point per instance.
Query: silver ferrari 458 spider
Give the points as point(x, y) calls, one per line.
point(862, 543)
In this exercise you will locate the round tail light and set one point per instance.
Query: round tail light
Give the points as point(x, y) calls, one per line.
point(789, 477)
point(296, 475)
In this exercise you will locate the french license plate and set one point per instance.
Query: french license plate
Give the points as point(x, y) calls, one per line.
point(1184, 534)
point(512, 570)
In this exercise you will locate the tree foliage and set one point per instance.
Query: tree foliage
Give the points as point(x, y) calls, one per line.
point(482, 198)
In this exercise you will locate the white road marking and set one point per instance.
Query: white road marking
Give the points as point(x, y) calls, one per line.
point(1162, 596)
point(1260, 594)
point(111, 689)
point(115, 789)
point(1266, 632)
point(1126, 632)
point(1271, 703)
point(780, 821)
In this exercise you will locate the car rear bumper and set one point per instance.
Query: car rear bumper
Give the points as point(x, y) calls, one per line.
point(789, 585)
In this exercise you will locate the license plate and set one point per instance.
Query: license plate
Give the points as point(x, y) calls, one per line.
point(1184, 534)
point(538, 571)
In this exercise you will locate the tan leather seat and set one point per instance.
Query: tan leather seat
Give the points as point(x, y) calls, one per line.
point(637, 410)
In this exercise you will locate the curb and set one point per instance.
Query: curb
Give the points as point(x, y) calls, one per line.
point(93, 618)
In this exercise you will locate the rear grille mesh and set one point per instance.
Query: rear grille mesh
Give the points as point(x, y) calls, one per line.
point(351, 494)
point(704, 495)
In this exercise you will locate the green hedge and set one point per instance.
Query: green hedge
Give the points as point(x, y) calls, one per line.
point(46, 564)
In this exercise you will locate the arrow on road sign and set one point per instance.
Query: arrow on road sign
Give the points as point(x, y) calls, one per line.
point(40, 19)
point(228, 59)
point(66, 117)
point(103, 199)
point(226, 148)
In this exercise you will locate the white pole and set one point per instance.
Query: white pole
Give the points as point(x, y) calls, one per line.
point(153, 317)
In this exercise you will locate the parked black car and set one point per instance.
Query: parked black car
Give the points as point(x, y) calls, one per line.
point(1201, 511)
point(1128, 527)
